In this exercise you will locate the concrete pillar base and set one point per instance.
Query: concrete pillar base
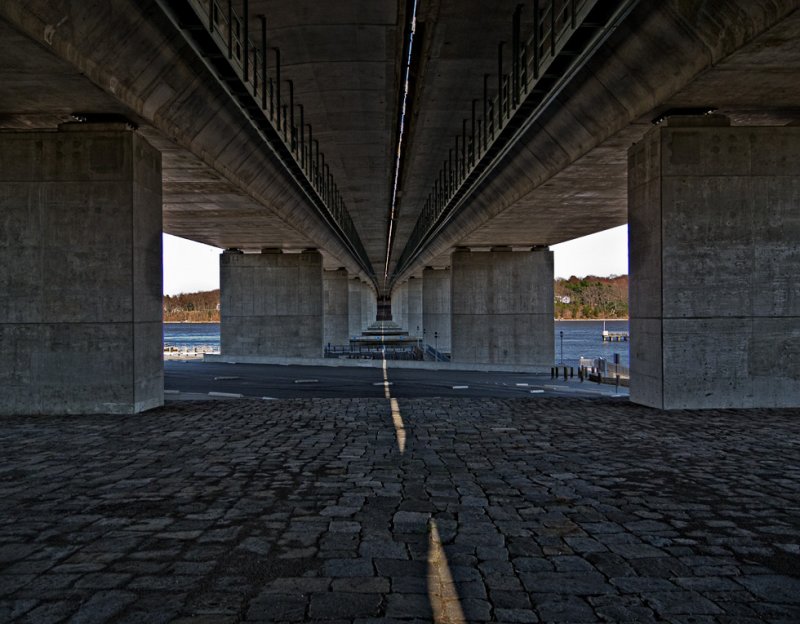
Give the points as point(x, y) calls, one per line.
point(436, 308)
point(336, 307)
point(414, 308)
point(271, 304)
point(714, 261)
point(80, 272)
point(502, 307)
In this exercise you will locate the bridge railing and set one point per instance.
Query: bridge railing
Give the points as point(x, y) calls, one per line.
point(252, 71)
point(537, 63)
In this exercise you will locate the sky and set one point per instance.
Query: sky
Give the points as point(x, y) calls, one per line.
point(192, 267)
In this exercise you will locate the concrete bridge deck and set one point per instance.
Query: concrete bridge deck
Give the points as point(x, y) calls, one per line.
point(495, 510)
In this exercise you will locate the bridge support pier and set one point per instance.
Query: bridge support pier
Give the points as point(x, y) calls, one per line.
point(336, 307)
point(400, 305)
point(414, 307)
point(436, 308)
point(502, 307)
point(271, 304)
point(80, 271)
point(354, 306)
point(714, 292)
point(369, 306)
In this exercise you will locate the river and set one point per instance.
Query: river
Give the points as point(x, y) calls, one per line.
point(581, 339)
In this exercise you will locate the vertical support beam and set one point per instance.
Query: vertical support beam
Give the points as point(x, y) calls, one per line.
point(80, 272)
point(292, 135)
point(354, 307)
point(414, 307)
point(278, 86)
point(302, 129)
point(485, 109)
point(714, 265)
point(436, 308)
point(271, 304)
point(230, 29)
point(473, 155)
point(515, 39)
point(537, 38)
point(367, 316)
point(263, 21)
point(245, 39)
point(502, 308)
point(464, 154)
point(335, 307)
point(500, 84)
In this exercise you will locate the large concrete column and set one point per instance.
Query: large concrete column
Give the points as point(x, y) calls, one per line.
point(414, 306)
point(336, 307)
point(436, 307)
point(367, 306)
point(400, 305)
point(502, 304)
point(354, 307)
point(714, 218)
point(80, 272)
point(271, 304)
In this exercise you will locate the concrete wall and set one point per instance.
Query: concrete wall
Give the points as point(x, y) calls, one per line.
point(354, 307)
point(436, 308)
point(502, 305)
point(414, 307)
point(80, 272)
point(714, 261)
point(368, 306)
point(271, 304)
point(336, 311)
point(400, 305)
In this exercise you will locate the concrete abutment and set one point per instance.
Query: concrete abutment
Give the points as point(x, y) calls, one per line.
point(714, 218)
point(80, 271)
point(271, 304)
point(436, 314)
point(502, 307)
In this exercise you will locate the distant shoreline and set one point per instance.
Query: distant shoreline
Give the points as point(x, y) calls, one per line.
point(563, 320)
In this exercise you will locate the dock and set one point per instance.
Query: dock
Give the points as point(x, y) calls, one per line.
point(609, 336)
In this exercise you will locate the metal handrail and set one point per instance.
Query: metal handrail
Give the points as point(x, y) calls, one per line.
point(262, 80)
point(554, 23)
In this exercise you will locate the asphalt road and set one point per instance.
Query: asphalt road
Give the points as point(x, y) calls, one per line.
point(189, 379)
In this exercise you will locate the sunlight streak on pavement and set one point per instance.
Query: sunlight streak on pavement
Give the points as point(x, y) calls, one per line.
point(397, 419)
point(442, 591)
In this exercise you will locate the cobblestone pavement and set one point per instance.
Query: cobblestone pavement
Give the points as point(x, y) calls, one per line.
point(533, 510)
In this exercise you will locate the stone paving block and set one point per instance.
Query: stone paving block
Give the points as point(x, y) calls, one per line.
point(278, 608)
point(682, 602)
point(49, 612)
point(573, 610)
point(366, 585)
point(348, 567)
point(409, 606)
point(515, 616)
point(102, 606)
point(334, 606)
point(304, 510)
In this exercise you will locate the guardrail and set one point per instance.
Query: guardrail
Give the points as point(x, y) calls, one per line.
point(219, 34)
point(565, 34)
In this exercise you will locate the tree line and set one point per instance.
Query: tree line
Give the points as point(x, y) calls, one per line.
point(588, 297)
point(196, 307)
point(591, 297)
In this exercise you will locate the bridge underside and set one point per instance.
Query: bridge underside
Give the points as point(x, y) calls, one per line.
point(232, 175)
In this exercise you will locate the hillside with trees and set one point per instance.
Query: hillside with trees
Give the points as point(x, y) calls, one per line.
point(591, 297)
point(197, 307)
point(575, 298)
